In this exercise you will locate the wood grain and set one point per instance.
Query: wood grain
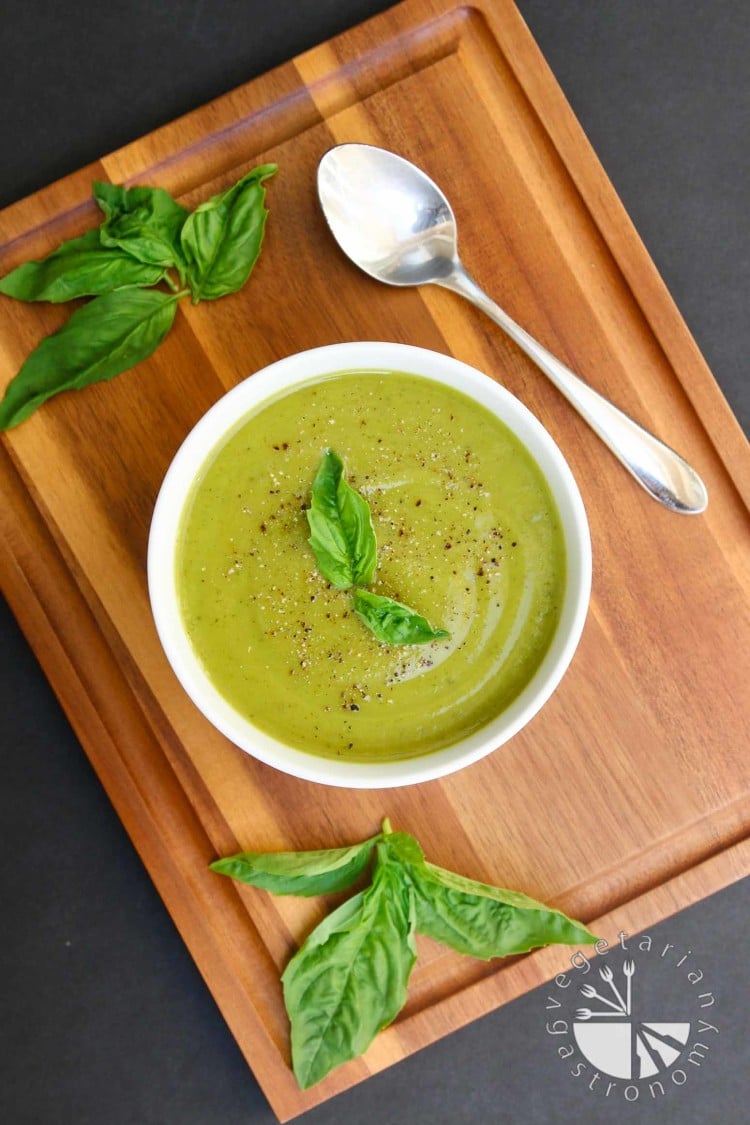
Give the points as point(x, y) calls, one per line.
point(627, 797)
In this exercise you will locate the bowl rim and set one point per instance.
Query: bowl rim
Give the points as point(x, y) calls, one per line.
point(216, 426)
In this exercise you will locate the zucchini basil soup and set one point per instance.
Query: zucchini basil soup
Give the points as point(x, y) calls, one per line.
point(466, 535)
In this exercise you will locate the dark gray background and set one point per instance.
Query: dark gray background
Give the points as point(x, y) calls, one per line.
point(105, 1018)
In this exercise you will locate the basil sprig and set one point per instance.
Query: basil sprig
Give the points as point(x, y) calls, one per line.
point(343, 541)
point(146, 237)
point(349, 978)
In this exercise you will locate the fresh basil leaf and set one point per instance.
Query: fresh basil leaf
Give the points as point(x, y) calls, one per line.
point(392, 622)
point(342, 536)
point(221, 239)
point(348, 980)
point(485, 921)
point(145, 222)
point(81, 267)
point(104, 337)
point(299, 873)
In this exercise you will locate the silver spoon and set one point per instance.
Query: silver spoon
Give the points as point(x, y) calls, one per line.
point(397, 226)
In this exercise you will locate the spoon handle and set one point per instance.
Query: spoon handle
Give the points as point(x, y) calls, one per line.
point(663, 473)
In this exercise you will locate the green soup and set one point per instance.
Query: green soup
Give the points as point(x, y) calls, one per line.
point(468, 536)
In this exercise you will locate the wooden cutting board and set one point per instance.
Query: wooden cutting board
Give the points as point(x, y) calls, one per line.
point(626, 798)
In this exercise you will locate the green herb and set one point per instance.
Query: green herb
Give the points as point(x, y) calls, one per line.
point(145, 222)
point(79, 268)
point(348, 980)
point(100, 340)
point(222, 238)
point(485, 921)
point(343, 537)
point(392, 622)
point(343, 541)
point(145, 234)
point(299, 873)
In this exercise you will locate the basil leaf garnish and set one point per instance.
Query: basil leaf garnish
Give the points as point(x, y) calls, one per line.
point(221, 239)
point(486, 921)
point(348, 981)
point(349, 978)
point(145, 222)
point(343, 540)
point(108, 335)
point(299, 873)
point(342, 536)
point(81, 267)
point(392, 622)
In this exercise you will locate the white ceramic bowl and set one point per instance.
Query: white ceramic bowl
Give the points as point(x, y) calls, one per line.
point(222, 419)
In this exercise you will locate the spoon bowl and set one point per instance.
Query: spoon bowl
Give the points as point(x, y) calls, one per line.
point(387, 215)
point(394, 223)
